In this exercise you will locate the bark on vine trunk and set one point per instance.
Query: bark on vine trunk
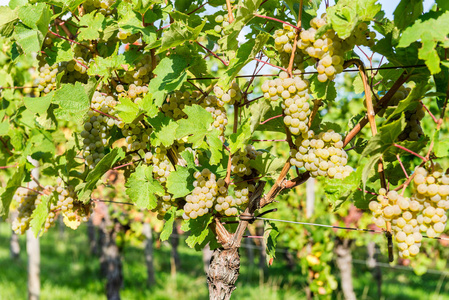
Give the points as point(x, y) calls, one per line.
point(207, 256)
point(223, 273)
point(147, 232)
point(344, 264)
point(110, 259)
point(14, 246)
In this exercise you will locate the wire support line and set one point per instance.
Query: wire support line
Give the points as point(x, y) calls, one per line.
point(341, 227)
point(314, 72)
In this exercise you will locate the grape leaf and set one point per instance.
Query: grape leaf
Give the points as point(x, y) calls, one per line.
point(196, 126)
point(61, 50)
point(38, 105)
point(239, 139)
point(442, 4)
point(167, 230)
point(441, 148)
point(270, 234)
point(7, 19)
point(30, 40)
point(164, 130)
point(128, 111)
point(199, 229)
point(142, 188)
point(36, 16)
point(105, 164)
point(431, 28)
point(407, 12)
point(92, 25)
point(11, 187)
point(73, 102)
point(104, 67)
point(171, 74)
point(180, 182)
point(323, 90)
point(39, 216)
point(179, 33)
point(246, 53)
point(411, 101)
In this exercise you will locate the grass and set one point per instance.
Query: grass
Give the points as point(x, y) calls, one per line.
point(68, 271)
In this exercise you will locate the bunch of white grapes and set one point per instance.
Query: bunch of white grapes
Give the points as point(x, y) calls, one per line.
point(141, 74)
point(97, 127)
point(233, 95)
point(176, 102)
point(135, 93)
point(162, 166)
point(75, 70)
point(202, 198)
point(400, 95)
point(321, 155)
point(431, 190)
point(210, 103)
point(46, 79)
point(403, 214)
point(222, 22)
point(27, 200)
point(240, 161)
point(242, 191)
point(413, 129)
point(294, 93)
point(283, 42)
point(136, 136)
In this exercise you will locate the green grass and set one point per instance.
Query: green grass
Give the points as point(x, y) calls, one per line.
point(68, 271)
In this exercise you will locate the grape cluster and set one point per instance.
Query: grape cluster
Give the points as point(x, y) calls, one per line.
point(403, 214)
point(97, 127)
point(242, 191)
point(432, 191)
point(233, 95)
point(46, 79)
point(141, 74)
point(201, 201)
point(27, 200)
point(413, 129)
point(294, 92)
point(222, 22)
point(103, 6)
point(283, 42)
point(75, 70)
point(210, 103)
point(176, 103)
point(162, 166)
point(136, 136)
point(240, 161)
point(321, 155)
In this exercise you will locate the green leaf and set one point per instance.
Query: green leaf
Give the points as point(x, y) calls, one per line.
point(167, 230)
point(239, 139)
point(246, 53)
point(323, 90)
point(36, 16)
point(196, 126)
point(441, 148)
point(346, 14)
point(431, 28)
point(171, 74)
point(104, 67)
point(385, 138)
point(337, 191)
point(104, 165)
point(268, 165)
point(180, 182)
point(410, 102)
point(369, 168)
point(39, 215)
point(30, 40)
point(73, 102)
point(215, 145)
point(199, 229)
point(164, 130)
point(179, 33)
point(142, 188)
point(407, 12)
point(93, 24)
point(61, 51)
point(38, 105)
point(442, 4)
point(11, 187)
point(7, 19)
point(128, 111)
point(270, 234)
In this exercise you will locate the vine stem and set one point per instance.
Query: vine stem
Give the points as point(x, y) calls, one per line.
point(269, 119)
point(6, 167)
point(267, 63)
point(316, 106)
point(277, 20)
point(5, 144)
point(411, 152)
point(215, 55)
point(298, 31)
point(103, 113)
point(402, 166)
point(230, 15)
point(430, 113)
point(67, 39)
